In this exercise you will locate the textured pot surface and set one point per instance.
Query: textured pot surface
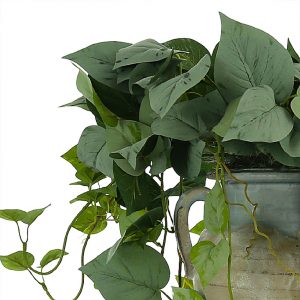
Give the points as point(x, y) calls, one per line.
point(257, 274)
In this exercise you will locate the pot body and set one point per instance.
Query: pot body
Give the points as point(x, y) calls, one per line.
point(256, 272)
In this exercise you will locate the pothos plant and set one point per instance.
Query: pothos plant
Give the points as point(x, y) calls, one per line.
point(170, 105)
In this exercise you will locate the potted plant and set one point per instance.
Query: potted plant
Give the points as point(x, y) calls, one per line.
point(233, 115)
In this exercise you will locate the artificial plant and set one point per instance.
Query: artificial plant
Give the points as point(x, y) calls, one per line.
point(170, 105)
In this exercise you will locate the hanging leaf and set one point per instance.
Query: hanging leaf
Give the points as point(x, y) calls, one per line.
point(146, 114)
point(18, 261)
point(163, 96)
point(145, 51)
point(198, 228)
point(32, 215)
point(12, 214)
point(98, 61)
point(185, 294)
point(248, 57)
point(259, 119)
point(297, 70)
point(51, 256)
point(192, 51)
point(92, 150)
point(138, 192)
point(208, 259)
point(186, 158)
point(216, 211)
point(127, 220)
point(91, 221)
point(134, 272)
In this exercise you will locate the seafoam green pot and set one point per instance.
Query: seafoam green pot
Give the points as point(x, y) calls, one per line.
point(259, 275)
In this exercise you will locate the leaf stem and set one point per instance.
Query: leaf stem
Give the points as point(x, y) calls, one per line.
point(164, 205)
point(166, 295)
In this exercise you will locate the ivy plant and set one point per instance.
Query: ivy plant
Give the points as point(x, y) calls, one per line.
point(169, 105)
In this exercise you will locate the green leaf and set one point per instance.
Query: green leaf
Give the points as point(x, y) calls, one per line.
point(163, 96)
point(185, 294)
point(127, 220)
point(98, 61)
point(138, 192)
point(85, 87)
point(216, 212)
point(123, 105)
point(127, 140)
point(186, 158)
point(160, 157)
point(297, 70)
point(186, 283)
point(80, 102)
point(145, 51)
point(239, 148)
point(191, 119)
point(292, 51)
point(291, 144)
point(32, 215)
point(12, 214)
point(92, 195)
point(276, 151)
point(146, 114)
point(91, 221)
point(134, 272)
point(18, 261)
point(259, 119)
point(51, 256)
point(248, 57)
point(295, 106)
point(198, 228)
point(92, 150)
point(208, 259)
point(223, 126)
point(192, 51)
point(87, 175)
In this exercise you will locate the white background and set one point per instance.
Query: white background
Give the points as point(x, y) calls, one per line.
point(34, 132)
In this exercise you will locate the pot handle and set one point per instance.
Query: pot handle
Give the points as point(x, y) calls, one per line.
point(182, 228)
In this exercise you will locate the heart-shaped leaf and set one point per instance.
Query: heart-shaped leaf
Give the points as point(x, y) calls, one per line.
point(18, 261)
point(51, 256)
point(186, 294)
point(134, 272)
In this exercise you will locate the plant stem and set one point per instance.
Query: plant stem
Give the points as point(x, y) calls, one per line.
point(64, 244)
point(166, 295)
point(165, 208)
point(179, 270)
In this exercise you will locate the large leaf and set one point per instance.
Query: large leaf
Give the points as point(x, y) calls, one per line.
point(259, 119)
point(291, 144)
point(208, 259)
point(51, 256)
point(186, 294)
point(91, 221)
point(127, 140)
point(134, 272)
point(163, 96)
point(145, 51)
point(18, 261)
point(191, 119)
point(248, 57)
point(92, 150)
point(138, 192)
point(192, 51)
point(98, 61)
point(216, 210)
point(276, 151)
point(186, 158)
point(80, 102)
